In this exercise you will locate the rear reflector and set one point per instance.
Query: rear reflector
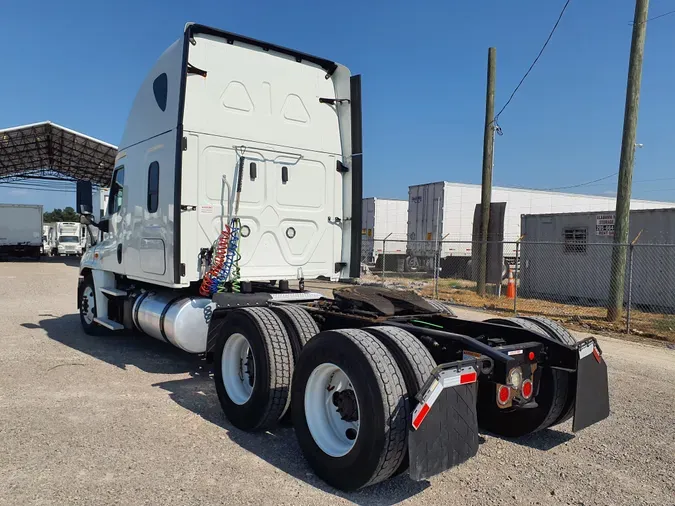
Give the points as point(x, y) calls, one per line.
point(417, 421)
point(596, 354)
point(526, 389)
point(468, 378)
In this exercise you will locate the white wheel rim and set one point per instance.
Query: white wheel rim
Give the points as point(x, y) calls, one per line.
point(88, 297)
point(238, 369)
point(334, 435)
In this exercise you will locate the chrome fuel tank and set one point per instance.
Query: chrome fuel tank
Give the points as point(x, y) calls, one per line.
point(177, 319)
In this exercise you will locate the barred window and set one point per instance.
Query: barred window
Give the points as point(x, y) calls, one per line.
point(575, 240)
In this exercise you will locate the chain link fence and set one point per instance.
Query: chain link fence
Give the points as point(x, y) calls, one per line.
point(568, 281)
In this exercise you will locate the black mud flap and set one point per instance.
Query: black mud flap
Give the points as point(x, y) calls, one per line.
point(592, 396)
point(444, 424)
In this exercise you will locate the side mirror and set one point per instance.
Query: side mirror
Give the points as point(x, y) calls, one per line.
point(85, 209)
point(103, 225)
point(85, 219)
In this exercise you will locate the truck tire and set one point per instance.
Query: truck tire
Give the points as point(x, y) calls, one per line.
point(552, 398)
point(88, 309)
point(553, 329)
point(561, 334)
point(518, 322)
point(440, 306)
point(253, 366)
point(299, 325)
point(412, 358)
point(362, 440)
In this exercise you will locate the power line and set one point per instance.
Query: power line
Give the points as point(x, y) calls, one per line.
point(594, 182)
point(582, 184)
point(30, 188)
point(535, 60)
point(657, 17)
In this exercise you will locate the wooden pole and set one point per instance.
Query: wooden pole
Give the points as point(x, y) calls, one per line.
point(488, 158)
point(623, 193)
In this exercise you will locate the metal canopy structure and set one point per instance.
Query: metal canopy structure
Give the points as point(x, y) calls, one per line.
point(50, 151)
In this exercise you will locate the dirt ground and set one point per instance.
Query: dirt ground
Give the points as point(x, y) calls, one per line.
point(127, 420)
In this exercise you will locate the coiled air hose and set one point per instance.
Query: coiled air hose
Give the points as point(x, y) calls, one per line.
point(224, 268)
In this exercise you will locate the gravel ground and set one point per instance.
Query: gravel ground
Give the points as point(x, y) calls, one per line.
point(128, 420)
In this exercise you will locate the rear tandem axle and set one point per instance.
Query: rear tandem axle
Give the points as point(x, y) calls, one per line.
point(375, 359)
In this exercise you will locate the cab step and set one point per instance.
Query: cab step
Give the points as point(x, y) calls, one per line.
point(109, 324)
point(114, 292)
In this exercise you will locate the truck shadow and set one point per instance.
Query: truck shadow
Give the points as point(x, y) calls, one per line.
point(120, 349)
point(198, 395)
point(279, 447)
point(73, 261)
point(543, 440)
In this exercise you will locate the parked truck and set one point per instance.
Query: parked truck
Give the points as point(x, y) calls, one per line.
point(238, 177)
point(455, 204)
point(20, 230)
point(47, 232)
point(384, 226)
point(69, 236)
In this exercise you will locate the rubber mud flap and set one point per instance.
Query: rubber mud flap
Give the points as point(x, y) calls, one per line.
point(448, 435)
point(592, 402)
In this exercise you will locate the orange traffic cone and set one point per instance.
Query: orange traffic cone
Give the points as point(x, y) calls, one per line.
point(511, 286)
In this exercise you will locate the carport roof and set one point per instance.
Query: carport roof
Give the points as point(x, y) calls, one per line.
point(52, 151)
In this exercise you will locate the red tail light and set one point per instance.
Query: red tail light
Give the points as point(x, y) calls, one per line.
point(527, 389)
point(503, 395)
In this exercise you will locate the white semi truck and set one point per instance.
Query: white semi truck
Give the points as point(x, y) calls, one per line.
point(20, 230)
point(240, 170)
point(68, 238)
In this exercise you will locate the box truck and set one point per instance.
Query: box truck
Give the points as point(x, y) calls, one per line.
point(445, 212)
point(240, 170)
point(20, 230)
point(68, 238)
point(384, 225)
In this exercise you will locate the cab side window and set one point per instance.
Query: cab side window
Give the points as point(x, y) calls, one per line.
point(153, 187)
point(116, 191)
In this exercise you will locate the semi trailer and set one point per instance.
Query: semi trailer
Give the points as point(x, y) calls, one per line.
point(445, 212)
point(384, 224)
point(20, 230)
point(238, 177)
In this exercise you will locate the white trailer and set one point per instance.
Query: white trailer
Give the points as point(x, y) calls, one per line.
point(383, 219)
point(457, 202)
point(241, 170)
point(68, 238)
point(20, 230)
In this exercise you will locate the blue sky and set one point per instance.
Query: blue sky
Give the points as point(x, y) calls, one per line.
point(423, 63)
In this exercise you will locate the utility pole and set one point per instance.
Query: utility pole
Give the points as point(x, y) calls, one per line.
point(623, 193)
point(488, 158)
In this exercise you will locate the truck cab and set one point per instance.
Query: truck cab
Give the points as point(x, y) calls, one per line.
point(226, 127)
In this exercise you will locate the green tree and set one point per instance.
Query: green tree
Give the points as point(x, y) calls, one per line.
point(67, 214)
